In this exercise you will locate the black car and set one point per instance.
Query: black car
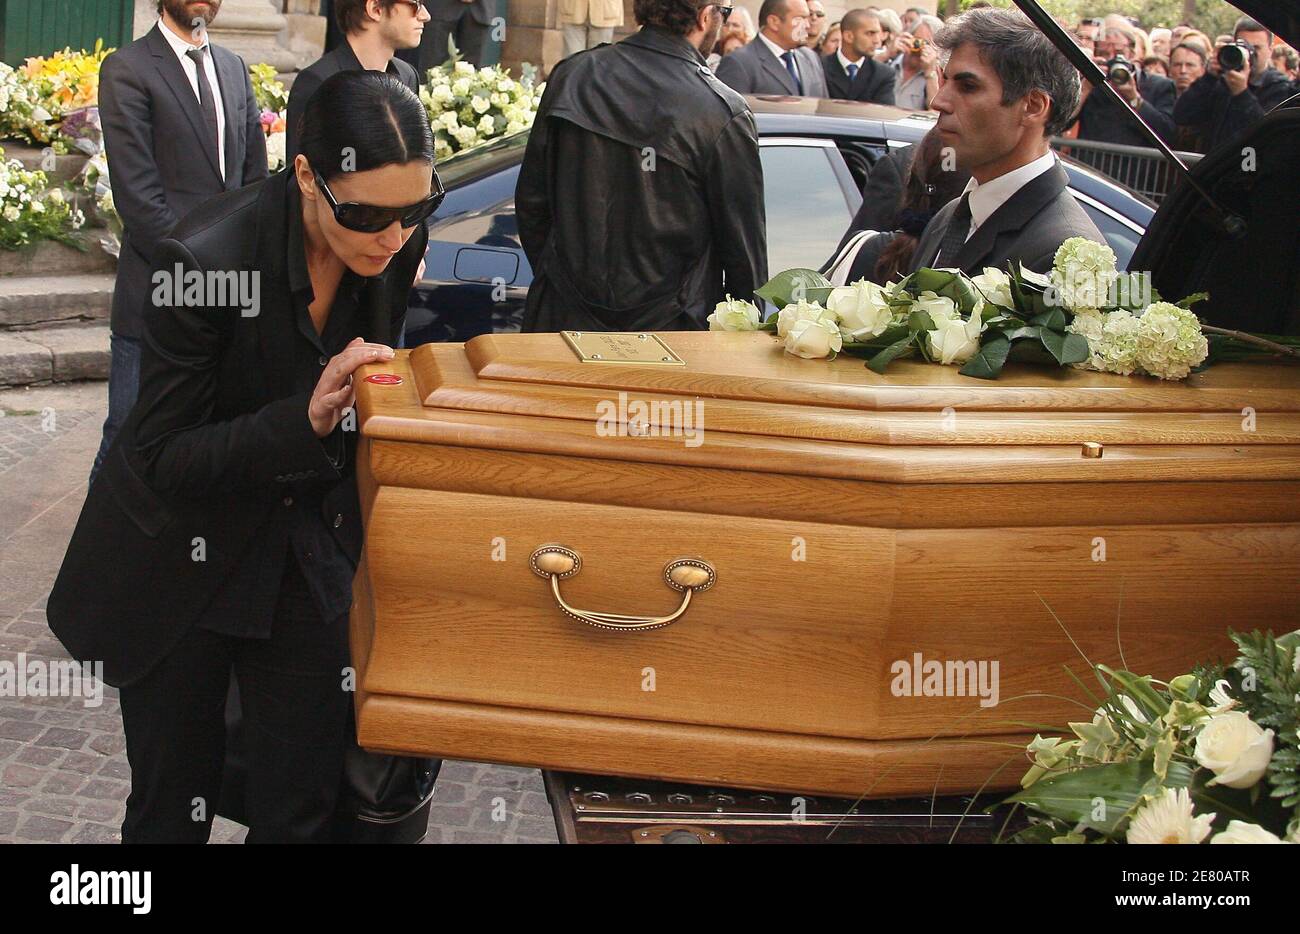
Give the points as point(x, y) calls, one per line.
point(815, 153)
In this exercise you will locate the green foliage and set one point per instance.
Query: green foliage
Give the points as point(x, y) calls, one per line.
point(1210, 16)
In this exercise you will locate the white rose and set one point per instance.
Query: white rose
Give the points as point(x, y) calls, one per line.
point(56, 195)
point(442, 94)
point(449, 120)
point(813, 338)
point(1242, 832)
point(1235, 749)
point(38, 207)
point(11, 213)
point(863, 310)
point(464, 68)
point(481, 105)
point(734, 314)
point(938, 307)
point(995, 286)
point(460, 87)
point(507, 84)
point(800, 311)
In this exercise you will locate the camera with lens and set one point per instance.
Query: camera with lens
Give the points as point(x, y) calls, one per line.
point(1119, 70)
point(1237, 56)
point(918, 45)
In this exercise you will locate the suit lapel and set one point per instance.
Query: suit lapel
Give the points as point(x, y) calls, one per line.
point(173, 75)
point(1011, 216)
point(768, 61)
point(228, 77)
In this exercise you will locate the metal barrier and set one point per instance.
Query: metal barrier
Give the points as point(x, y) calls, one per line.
point(1144, 170)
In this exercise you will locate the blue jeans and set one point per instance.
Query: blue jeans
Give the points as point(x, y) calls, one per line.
point(123, 388)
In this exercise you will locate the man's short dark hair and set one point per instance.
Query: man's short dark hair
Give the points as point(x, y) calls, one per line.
point(857, 19)
point(674, 16)
point(1022, 57)
point(1246, 24)
point(771, 8)
point(351, 14)
point(1194, 48)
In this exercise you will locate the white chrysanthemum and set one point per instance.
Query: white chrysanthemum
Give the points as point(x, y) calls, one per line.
point(734, 314)
point(1169, 341)
point(1167, 818)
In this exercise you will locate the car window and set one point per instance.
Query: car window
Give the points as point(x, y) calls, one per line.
point(807, 212)
point(1121, 238)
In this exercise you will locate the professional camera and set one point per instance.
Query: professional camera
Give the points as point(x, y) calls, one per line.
point(1119, 70)
point(1237, 56)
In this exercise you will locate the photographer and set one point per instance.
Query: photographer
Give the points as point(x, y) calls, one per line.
point(1239, 87)
point(1151, 95)
point(916, 76)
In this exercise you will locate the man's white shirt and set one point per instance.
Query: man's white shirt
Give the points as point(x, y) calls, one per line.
point(180, 47)
point(987, 198)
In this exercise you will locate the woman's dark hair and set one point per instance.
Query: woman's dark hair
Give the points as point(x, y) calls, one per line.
point(360, 120)
point(928, 187)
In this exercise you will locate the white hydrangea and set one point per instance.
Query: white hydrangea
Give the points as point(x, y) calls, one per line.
point(1112, 340)
point(1169, 341)
point(1083, 272)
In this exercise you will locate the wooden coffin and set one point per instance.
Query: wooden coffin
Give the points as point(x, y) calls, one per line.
point(859, 528)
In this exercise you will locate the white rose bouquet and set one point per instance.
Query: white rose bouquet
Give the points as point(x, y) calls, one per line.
point(1210, 756)
point(1083, 313)
point(469, 106)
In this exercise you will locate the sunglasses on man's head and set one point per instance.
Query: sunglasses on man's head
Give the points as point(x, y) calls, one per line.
point(371, 218)
point(723, 11)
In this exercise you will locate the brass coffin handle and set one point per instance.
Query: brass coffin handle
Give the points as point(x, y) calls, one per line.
point(685, 574)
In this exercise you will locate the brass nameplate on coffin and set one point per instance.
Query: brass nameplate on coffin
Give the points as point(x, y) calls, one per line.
point(622, 347)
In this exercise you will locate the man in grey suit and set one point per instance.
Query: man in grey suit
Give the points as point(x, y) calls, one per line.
point(180, 126)
point(777, 62)
point(1006, 90)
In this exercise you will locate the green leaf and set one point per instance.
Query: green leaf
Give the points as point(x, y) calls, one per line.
point(779, 290)
point(920, 321)
point(1053, 318)
point(1066, 348)
point(1188, 301)
point(1073, 796)
point(881, 360)
point(989, 360)
point(1013, 334)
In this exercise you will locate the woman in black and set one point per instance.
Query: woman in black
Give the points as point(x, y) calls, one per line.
point(223, 530)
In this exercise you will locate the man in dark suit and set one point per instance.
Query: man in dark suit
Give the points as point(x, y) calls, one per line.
point(180, 125)
point(851, 72)
point(1006, 90)
point(372, 34)
point(776, 62)
point(466, 22)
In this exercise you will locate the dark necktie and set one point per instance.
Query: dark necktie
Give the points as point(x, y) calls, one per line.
point(788, 58)
point(207, 100)
point(954, 236)
point(853, 70)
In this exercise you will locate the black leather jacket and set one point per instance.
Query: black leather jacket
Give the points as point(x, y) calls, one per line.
point(640, 198)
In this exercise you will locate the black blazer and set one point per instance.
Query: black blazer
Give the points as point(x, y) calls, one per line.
point(215, 443)
point(1029, 227)
point(873, 83)
point(341, 58)
point(161, 167)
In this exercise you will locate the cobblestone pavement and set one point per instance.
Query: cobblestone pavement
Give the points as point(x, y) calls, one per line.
point(63, 770)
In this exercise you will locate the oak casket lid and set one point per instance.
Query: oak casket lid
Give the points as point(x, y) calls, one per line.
point(755, 407)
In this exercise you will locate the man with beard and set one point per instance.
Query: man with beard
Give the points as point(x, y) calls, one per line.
point(640, 198)
point(180, 125)
point(373, 31)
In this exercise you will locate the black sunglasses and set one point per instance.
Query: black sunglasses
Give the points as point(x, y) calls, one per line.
point(724, 11)
point(371, 218)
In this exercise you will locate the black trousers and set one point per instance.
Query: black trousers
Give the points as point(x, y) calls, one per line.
point(296, 720)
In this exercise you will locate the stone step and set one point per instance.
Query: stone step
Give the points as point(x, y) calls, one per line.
point(58, 355)
point(54, 301)
point(50, 258)
point(64, 169)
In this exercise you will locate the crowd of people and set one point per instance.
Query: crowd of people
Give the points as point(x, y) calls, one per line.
point(1175, 78)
